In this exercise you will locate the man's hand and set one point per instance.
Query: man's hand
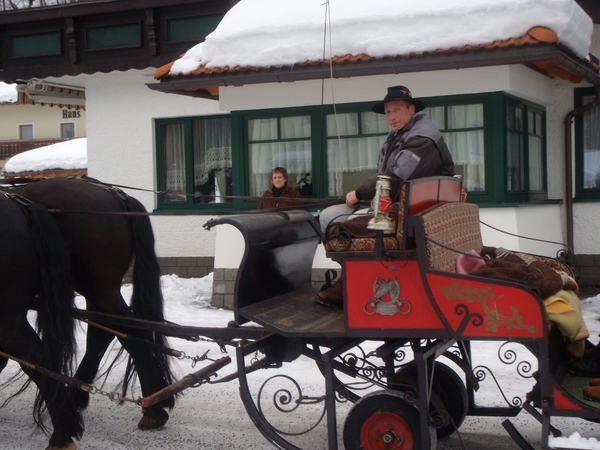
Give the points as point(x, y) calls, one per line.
point(351, 198)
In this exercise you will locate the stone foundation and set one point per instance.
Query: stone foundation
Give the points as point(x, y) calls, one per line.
point(587, 273)
point(183, 267)
point(224, 285)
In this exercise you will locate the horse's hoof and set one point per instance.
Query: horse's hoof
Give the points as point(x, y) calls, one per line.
point(153, 420)
point(69, 446)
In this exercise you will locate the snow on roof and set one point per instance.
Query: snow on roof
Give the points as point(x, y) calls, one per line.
point(71, 154)
point(8, 92)
point(264, 33)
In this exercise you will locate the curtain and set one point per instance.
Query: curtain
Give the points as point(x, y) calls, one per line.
point(466, 146)
point(173, 162)
point(211, 141)
point(347, 151)
point(350, 155)
point(467, 151)
point(289, 147)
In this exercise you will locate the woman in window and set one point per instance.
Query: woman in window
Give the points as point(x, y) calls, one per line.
point(280, 192)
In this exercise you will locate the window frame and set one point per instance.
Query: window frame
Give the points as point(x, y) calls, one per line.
point(188, 204)
point(62, 126)
point(526, 195)
point(582, 194)
point(20, 129)
point(494, 141)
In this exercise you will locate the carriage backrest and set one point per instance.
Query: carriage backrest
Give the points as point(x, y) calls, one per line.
point(448, 229)
point(421, 194)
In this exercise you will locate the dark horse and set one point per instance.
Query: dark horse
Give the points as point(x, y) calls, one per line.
point(34, 272)
point(102, 246)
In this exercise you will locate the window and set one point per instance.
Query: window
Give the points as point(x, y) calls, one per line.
point(497, 141)
point(115, 36)
point(353, 144)
point(525, 149)
point(278, 142)
point(195, 161)
point(67, 130)
point(587, 147)
point(40, 44)
point(25, 132)
point(463, 129)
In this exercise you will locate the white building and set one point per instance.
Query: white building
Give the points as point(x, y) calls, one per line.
point(518, 175)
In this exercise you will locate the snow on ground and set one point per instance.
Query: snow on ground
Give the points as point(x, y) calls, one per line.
point(284, 32)
point(212, 416)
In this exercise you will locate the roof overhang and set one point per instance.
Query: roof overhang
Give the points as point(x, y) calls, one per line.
point(548, 58)
point(41, 91)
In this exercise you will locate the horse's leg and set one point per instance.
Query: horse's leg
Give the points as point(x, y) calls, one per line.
point(143, 358)
point(18, 339)
point(96, 344)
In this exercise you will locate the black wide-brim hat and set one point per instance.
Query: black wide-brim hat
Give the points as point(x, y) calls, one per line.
point(398, 93)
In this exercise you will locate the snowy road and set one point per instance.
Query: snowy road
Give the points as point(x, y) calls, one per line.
point(213, 416)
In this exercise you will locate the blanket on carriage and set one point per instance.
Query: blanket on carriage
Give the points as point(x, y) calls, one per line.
point(547, 277)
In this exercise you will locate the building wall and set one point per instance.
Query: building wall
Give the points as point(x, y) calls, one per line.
point(46, 120)
point(121, 148)
point(587, 222)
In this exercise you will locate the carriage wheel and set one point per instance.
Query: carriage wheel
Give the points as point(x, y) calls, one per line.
point(380, 420)
point(448, 394)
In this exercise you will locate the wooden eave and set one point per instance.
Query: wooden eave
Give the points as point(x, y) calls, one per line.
point(73, 23)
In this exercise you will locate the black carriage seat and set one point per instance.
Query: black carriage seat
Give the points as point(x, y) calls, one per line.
point(414, 197)
point(273, 285)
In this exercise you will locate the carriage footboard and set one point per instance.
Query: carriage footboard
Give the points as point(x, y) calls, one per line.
point(278, 255)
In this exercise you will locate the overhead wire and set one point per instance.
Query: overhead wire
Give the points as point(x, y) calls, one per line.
point(327, 39)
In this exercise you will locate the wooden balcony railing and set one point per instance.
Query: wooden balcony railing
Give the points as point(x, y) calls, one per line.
point(9, 149)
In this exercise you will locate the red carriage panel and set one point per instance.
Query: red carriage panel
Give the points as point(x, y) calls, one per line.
point(388, 295)
point(484, 309)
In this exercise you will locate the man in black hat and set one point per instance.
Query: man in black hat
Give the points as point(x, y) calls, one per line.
point(414, 148)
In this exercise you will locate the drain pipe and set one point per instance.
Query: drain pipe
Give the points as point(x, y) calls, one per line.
point(569, 167)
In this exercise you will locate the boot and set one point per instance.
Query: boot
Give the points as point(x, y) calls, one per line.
point(592, 393)
point(585, 368)
point(333, 296)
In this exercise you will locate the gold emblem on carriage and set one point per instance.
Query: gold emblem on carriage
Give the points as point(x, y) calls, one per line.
point(386, 299)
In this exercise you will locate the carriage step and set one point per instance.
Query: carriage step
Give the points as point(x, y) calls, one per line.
point(517, 437)
point(189, 380)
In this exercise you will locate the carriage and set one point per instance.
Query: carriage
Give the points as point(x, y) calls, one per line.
point(406, 329)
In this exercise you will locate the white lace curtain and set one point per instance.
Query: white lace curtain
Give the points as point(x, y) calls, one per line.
point(295, 154)
point(349, 155)
point(174, 161)
point(211, 152)
point(467, 145)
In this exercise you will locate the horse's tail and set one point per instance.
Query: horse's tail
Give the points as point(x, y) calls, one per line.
point(55, 322)
point(147, 299)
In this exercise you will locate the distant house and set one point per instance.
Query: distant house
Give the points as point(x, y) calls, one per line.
point(39, 120)
point(522, 110)
point(63, 159)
